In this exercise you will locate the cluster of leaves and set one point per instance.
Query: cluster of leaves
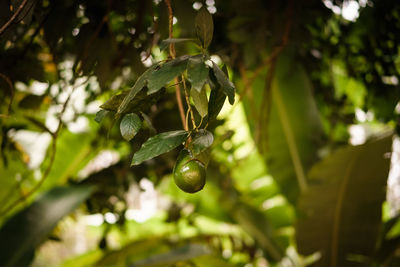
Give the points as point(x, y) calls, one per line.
point(150, 86)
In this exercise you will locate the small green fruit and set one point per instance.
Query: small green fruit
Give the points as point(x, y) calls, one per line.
point(189, 172)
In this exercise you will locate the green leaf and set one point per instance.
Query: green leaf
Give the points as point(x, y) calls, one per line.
point(227, 86)
point(292, 132)
point(130, 125)
point(254, 222)
point(25, 231)
point(166, 42)
point(200, 101)
point(158, 145)
point(342, 206)
point(204, 27)
point(197, 72)
point(166, 72)
point(201, 141)
point(178, 254)
point(100, 115)
point(137, 87)
point(217, 98)
point(141, 102)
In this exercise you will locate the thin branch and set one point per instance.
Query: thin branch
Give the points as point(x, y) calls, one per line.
point(13, 17)
point(26, 12)
point(170, 29)
point(172, 54)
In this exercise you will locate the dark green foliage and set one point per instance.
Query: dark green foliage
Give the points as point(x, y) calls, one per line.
point(25, 231)
point(158, 145)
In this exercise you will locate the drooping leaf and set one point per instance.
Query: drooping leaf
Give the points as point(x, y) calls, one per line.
point(166, 72)
point(141, 102)
point(22, 233)
point(201, 141)
point(291, 132)
point(204, 27)
point(341, 210)
point(227, 86)
point(100, 115)
point(166, 42)
point(197, 72)
point(158, 145)
point(217, 98)
point(200, 101)
point(130, 125)
point(137, 87)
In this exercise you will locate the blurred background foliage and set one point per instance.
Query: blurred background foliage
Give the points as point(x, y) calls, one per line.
point(299, 168)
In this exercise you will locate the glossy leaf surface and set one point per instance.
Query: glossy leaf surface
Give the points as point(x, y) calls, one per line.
point(158, 145)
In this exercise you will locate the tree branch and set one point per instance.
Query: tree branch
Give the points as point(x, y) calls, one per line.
point(13, 17)
point(172, 54)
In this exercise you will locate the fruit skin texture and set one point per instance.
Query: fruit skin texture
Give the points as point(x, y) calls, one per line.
point(189, 173)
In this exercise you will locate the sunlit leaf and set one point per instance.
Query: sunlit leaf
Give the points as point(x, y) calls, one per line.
point(204, 26)
point(341, 210)
point(130, 125)
point(22, 233)
point(197, 72)
point(200, 101)
point(201, 141)
point(158, 145)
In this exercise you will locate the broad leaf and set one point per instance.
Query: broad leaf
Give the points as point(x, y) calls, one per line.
point(166, 42)
point(204, 27)
point(141, 102)
point(166, 72)
point(200, 101)
point(201, 141)
point(21, 234)
point(197, 72)
point(217, 98)
point(158, 145)
point(341, 210)
point(291, 131)
point(227, 86)
point(100, 115)
point(130, 125)
point(137, 87)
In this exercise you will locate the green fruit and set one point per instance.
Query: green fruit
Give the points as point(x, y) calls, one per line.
point(189, 172)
